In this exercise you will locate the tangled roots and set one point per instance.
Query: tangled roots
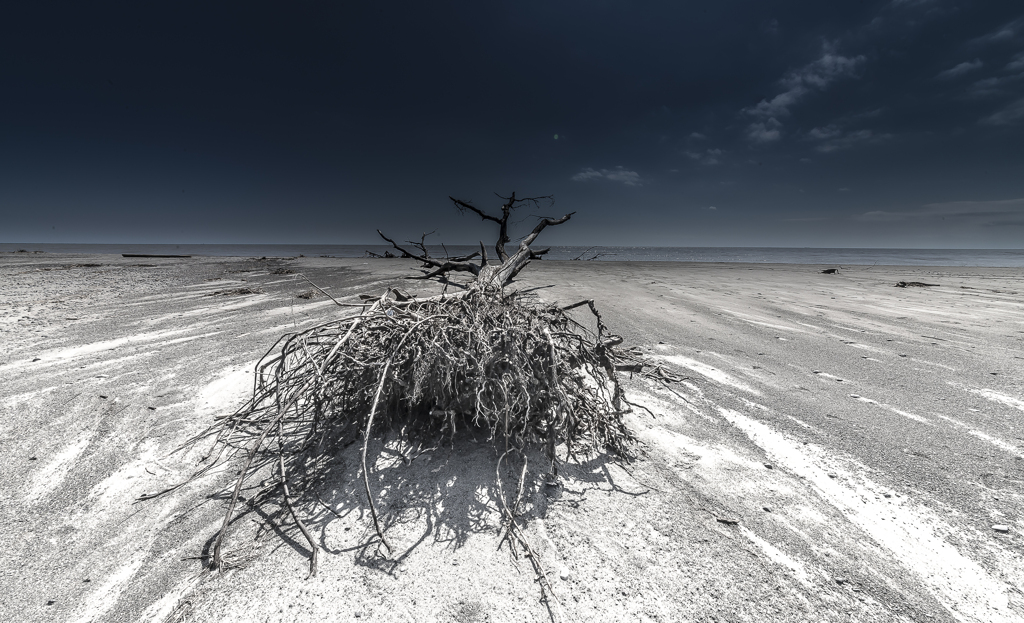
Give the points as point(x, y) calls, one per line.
point(530, 375)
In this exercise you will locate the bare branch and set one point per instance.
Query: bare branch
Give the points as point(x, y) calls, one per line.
point(462, 206)
point(442, 267)
point(544, 222)
point(460, 258)
point(511, 203)
point(532, 200)
point(426, 260)
point(422, 244)
point(448, 267)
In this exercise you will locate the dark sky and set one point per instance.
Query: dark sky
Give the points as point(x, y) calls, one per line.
point(731, 123)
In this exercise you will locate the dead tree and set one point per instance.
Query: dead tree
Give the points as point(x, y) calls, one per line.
point(402, 369)
point(488, 275)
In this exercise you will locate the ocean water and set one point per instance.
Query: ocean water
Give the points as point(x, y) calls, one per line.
point(1013, 258)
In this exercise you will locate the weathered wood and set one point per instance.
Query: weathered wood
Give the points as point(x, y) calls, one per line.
point(486, 275)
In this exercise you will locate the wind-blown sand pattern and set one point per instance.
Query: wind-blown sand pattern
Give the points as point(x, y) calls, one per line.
point(839, 451)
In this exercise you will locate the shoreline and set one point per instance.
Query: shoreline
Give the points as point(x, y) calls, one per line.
point(828, 257)
point(890, 417)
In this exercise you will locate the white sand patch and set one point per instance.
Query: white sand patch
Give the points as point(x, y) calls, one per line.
point(217, 284)
point(110, 366)
point(182, 340)
point(779, 557)
point(711, 458)
point(999, 443)
point(1003, 399)
point(851, 329)
point(890, 408)
point(255, 299)
point(105, 597)
point(866, 347)
point(932, 363)
point(114, 490)
point(58, 356)
point(910, 531)
point(201, 312)
point(301, 308)
point(761, 322)
point(227, 391)
point(54, 473)
point(811, 326)
point(24, 397)
point(164, 298)
point(162, 608)
point(710, 372)
point(761, 407)
point(656, 403)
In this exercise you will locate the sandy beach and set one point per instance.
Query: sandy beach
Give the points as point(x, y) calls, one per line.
point(839, 450)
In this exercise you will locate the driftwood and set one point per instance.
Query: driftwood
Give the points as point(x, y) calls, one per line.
point(914, 284)
point(594, 256)
point(486, 275)
point(532, 377)
point(136, 254)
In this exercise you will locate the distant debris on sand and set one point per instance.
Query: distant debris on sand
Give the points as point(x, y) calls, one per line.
point(914, 284)
point(830, 271)
point(150, 255)
point(236, 292)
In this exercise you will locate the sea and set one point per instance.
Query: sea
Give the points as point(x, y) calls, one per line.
point(1011, 258)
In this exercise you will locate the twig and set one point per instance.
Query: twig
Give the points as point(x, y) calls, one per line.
point(322, 291)
point(313, 559)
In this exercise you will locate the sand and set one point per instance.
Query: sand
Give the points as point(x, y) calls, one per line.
point(839, 451)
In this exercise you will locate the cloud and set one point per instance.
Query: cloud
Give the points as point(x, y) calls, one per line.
point(1011, 114)
point(961, 69)
point(827, 69)
point(709, 156)
point(1017, 64)
point(827, 132)
point(618, 174)
point(993, 86)
point(815, 76)
point(765, 131)
point(1007, 32)
point(1000, 212)
point(587, 174)
point(779, 105)
point(834, 139)
point(697, 136)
